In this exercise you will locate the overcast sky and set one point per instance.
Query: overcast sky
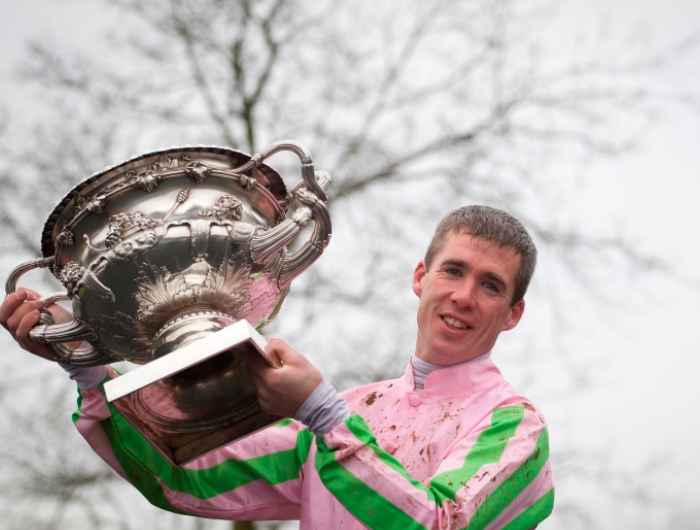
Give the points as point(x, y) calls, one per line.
point(646, 398)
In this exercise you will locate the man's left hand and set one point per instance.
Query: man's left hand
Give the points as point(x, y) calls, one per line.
point(284, 380)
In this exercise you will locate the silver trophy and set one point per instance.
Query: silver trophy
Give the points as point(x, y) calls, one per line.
point(172, 260)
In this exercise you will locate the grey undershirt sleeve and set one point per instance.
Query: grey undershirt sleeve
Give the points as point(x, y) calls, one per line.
point(323, 409)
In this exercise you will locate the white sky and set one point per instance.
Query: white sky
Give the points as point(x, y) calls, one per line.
point(646, 399)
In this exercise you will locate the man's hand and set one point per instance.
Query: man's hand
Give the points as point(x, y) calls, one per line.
point(283, 387)
point(19, 313)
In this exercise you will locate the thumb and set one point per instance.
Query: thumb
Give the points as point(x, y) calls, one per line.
point(280, 353)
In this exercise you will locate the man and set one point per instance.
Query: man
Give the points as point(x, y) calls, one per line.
point(448, 445)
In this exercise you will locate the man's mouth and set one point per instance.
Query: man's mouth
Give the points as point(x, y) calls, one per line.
point(455, 323)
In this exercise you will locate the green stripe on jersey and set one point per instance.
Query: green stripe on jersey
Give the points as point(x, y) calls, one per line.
point(357, 426)
point(510, 488)
point(137, 474)
point(371, 508)
point(487, 449)
point(534, 515)
point(274, 468)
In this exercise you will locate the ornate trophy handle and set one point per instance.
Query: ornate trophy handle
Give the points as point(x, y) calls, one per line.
point(47, 332)
point(308, 203)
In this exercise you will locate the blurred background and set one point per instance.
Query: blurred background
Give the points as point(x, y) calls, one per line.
point(581, 118)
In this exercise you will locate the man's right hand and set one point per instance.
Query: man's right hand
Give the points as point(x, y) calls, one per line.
point(19, 313)
point(284, 387)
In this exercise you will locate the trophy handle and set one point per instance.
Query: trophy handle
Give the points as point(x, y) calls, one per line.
point(267, 244)
point(294, 263)
point(47, 332)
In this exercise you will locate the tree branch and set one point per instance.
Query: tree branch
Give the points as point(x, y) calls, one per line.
point(432, 147)
point(199, 77)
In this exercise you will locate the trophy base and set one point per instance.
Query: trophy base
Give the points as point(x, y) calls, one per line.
point(196, 398)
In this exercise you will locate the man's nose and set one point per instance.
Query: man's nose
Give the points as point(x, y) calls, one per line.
point(464, 294)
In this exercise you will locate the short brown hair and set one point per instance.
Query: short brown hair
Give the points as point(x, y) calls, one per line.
point(492, 225)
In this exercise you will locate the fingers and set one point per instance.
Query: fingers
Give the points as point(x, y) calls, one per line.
point(14, 301)
point(31, 295)
point(20, 310)
point(10, 304)
point(19, 313)
point(24, 327)
point(27, 322)
point(16, 306)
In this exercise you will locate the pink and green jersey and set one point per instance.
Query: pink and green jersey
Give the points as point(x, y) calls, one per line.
point(465, 451)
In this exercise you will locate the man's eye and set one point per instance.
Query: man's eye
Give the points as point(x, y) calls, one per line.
point(453, 271)
point(492, 287)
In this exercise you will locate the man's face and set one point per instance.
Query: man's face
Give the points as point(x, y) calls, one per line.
point(465, 299)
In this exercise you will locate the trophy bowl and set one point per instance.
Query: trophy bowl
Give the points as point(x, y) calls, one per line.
point(169, 248)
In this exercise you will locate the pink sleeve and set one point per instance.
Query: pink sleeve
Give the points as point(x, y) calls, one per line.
point(258, 477)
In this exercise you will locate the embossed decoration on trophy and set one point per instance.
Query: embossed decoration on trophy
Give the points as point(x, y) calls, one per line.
point(169, 248)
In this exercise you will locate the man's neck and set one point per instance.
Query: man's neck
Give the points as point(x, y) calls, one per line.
point(421, 370)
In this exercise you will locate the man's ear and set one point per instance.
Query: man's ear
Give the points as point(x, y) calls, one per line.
point(516, 313)
point(418, 275)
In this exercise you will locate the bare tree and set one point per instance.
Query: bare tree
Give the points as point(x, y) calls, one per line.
point(414, 107)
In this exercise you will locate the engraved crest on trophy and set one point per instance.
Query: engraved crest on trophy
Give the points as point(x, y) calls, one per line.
point(172, 260)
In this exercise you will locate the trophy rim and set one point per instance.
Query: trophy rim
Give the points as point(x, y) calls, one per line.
point(276, 185)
